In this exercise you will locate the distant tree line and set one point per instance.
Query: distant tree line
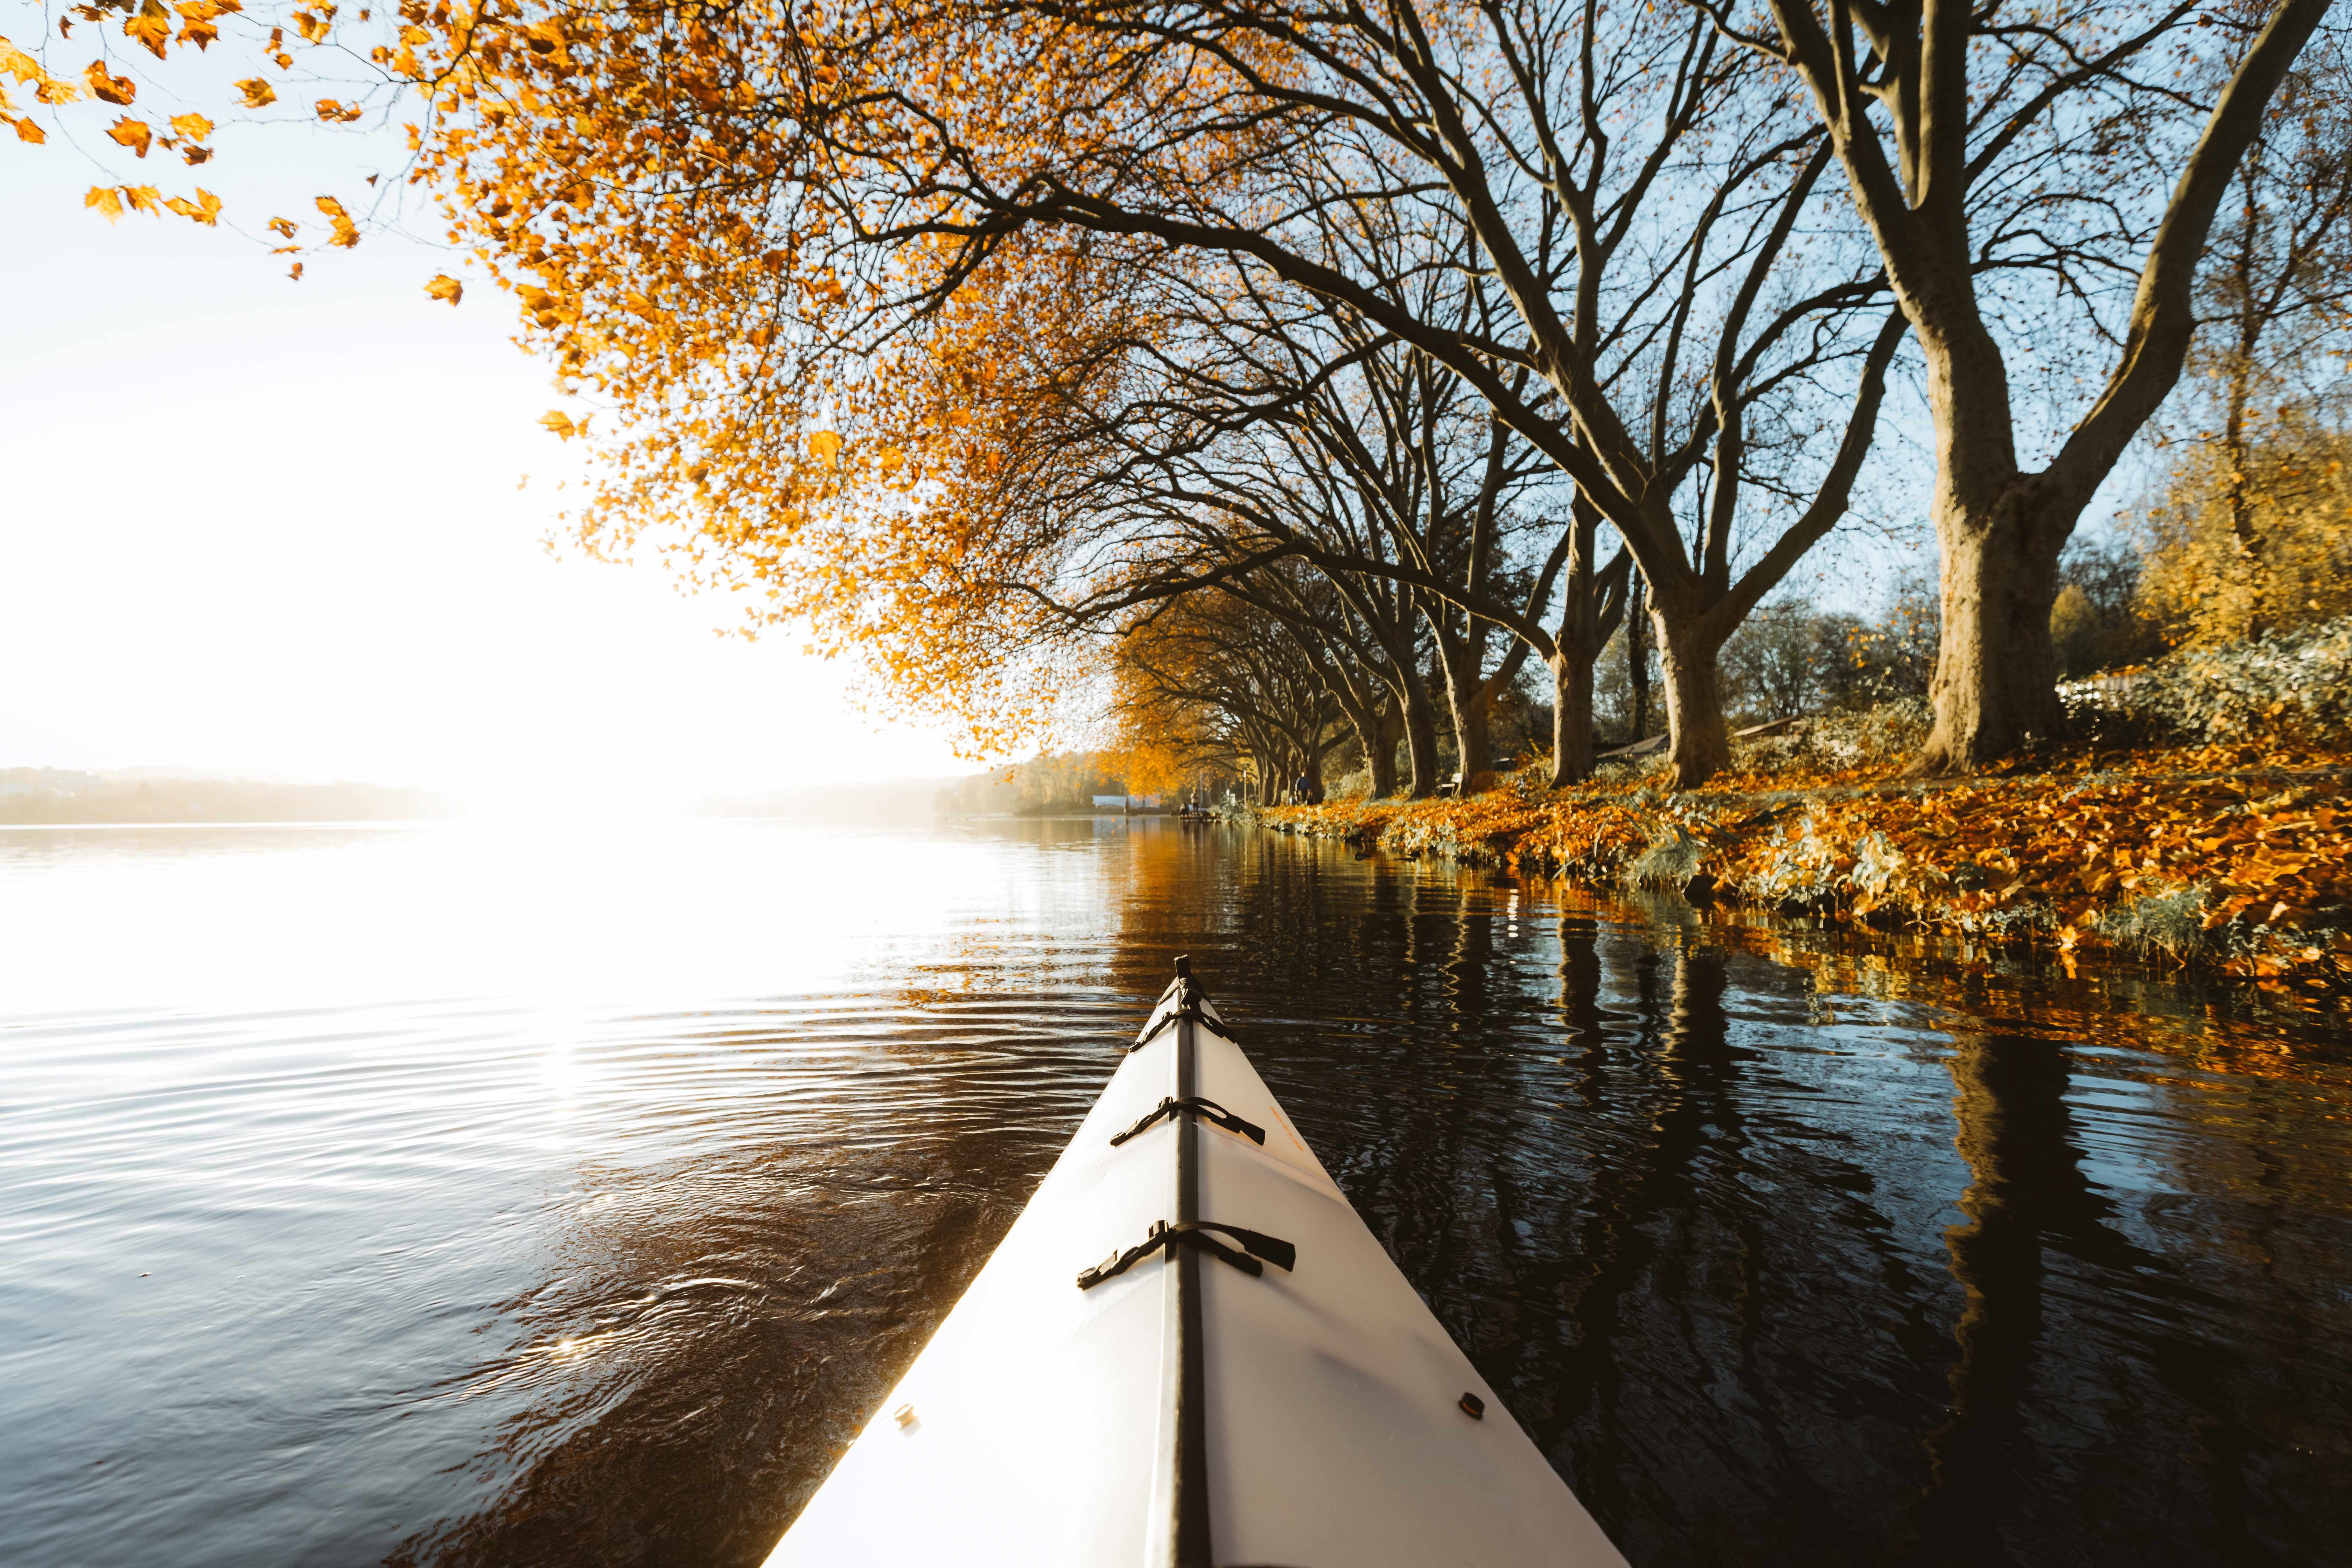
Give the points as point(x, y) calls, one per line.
point(1064, 783)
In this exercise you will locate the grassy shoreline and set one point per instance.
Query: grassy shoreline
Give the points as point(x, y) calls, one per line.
point(2229, 859)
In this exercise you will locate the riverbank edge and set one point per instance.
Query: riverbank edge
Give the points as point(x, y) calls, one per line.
point(2244, 872)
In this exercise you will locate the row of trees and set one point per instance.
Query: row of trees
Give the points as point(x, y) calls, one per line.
point(1229, 696)
point(1330, 371)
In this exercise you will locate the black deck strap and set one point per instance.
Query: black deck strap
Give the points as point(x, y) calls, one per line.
point(1195, 1233)
point(1207, 1110)
point(1189, 1006)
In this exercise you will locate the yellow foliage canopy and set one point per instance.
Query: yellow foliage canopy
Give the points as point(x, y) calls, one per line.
point(2237, 553)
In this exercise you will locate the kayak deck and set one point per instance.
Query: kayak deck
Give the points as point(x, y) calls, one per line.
point(1039, 1426)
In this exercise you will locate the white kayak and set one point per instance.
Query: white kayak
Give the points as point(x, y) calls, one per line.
point(1188, 1352)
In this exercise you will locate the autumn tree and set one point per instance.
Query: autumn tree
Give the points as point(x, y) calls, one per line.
point(2250, 532)
point(1989, 148)
point(1653, 294)
point(770, 244)
point(2259, 539)
point(1372, 463)
point(835, 279)
point(1210, 678)
point(1359, 672)
point(779, 247)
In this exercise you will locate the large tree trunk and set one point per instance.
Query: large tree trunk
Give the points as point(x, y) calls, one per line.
point(1469, 703)
point(1637, 657)
point(1420, 734)
point(1365, 716)
point(1473, 725)
point(2237, 449)
point(1379, 750)
point(1996, 671)
point(1571, 717)
point(1702, 745)
point(2001, 529)
point(1590, 604)
point(1572, 659)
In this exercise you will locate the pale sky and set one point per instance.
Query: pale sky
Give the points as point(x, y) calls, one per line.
point(247, 523)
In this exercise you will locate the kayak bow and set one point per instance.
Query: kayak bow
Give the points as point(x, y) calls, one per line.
point(1245, 1377)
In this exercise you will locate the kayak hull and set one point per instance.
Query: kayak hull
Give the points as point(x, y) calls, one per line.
point(1039, 1424)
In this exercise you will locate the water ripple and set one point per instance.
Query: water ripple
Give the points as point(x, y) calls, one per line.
point(427, 1198)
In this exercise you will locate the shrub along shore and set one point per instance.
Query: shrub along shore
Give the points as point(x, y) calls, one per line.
point(2232, 855)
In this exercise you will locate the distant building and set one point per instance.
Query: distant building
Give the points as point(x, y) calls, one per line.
point(1126, 803)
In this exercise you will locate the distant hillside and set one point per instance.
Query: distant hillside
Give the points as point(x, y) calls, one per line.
point(59, 796)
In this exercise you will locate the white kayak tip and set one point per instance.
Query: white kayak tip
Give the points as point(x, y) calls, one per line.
point(1287, 1398)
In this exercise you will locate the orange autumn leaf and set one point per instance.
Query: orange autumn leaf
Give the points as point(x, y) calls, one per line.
point(826, 446)
point(19, 64)
point(108, 89)
point(194, 127)
point(205, 209)
point(446, 288)
point(196, 25)
point(142, 198)
point(337, 114)
point(132, 133)
point(151, 27)
point(109, 204)
point(259, 94)
point(347, 233)
point(558, 421)
point(28, 132)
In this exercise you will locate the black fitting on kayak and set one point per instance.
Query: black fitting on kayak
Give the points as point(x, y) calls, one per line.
point(1194, 1233)
point(1207, 1110)
point(1188, 1005)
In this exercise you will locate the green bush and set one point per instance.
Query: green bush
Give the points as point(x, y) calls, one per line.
point(2292, 685)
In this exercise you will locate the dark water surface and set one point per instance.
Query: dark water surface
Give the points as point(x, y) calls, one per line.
point(451, 1195)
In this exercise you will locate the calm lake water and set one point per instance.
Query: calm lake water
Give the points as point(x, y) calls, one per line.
point(459, 1195)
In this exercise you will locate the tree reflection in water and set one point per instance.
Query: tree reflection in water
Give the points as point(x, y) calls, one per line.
point(1694, 1214)
point(1784, 1251)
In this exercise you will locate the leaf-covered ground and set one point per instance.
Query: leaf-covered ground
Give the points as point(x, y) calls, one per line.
point(2230, 858)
